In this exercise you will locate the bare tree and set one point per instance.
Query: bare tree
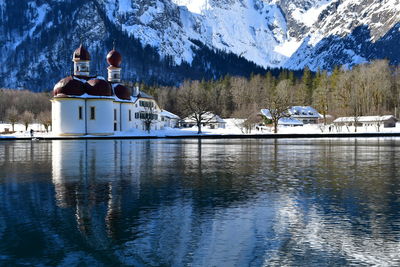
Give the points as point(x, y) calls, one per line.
point(278, 102)
point(195, 102)
point(249, 117)
point(12, 116)
point(44, 118)
point(27, 118)
point(148, 117)
point(322, 95)
point(380, 86)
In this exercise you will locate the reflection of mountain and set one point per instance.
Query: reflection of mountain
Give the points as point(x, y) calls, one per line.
point(200, 203)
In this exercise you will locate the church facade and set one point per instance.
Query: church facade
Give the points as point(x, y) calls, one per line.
point(91, 105)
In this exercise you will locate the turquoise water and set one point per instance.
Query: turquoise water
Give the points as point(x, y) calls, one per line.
point(316, 202)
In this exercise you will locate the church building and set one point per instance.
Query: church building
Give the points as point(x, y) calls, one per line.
point(90, 105)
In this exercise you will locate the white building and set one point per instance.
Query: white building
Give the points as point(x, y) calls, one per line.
point(386, 121)
point(296, 116)
point(305, 114)
point(170, 119)
point(286, 121)
point(90, 105)
point(210, 120)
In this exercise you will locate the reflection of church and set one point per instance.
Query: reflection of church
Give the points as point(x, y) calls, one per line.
point(89, 178)
point(90, 105)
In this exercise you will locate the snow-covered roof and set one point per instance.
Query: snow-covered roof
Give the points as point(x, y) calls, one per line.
point(266, 113)
point(289, 121)
point(144, 95)
point(207, 117)
point(169, 115)
point(304, 112)
point(365, 119)
point(282, 121)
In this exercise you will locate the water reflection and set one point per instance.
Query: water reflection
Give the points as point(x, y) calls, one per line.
point(200, 202)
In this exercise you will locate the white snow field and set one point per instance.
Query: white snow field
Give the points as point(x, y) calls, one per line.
point(231, 129)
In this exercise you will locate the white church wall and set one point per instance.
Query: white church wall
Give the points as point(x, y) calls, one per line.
point(126, 119)
point(116, 113)
point(66, 118)
point(102, 123)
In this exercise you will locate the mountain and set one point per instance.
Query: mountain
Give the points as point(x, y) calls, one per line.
point(167, 41)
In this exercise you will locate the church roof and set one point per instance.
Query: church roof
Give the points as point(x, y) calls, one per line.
point(69, 86)
point(81, 54)
point(114, 58)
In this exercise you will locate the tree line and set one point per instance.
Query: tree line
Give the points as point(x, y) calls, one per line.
point(25, 107)
point(367, 89)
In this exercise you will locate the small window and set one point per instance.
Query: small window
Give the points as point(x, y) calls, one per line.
point(115, 114)
point(130, 115)
point(92, 113)
point(80, 113)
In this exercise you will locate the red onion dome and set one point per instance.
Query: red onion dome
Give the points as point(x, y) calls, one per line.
point(122, 92)
point(98, 87)
point(69, 86)
point(81, 54)
point(114, 58)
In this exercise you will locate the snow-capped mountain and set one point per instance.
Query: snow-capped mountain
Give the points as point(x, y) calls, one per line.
point(167, 41)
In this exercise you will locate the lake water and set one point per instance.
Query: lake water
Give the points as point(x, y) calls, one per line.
point(316, 202)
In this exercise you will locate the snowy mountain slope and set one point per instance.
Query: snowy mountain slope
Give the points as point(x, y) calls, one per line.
point(37, 43)
point(271, 33)
point(350, 32)
point(163, 40)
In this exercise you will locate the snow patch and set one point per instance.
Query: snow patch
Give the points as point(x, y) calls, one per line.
point(288, 48)
point(195, 6)
point(310, 16)
point(125, 6)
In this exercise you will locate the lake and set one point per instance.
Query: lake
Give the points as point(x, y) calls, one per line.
point(293, 202)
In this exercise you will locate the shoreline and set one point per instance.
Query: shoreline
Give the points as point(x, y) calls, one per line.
point(209, 136)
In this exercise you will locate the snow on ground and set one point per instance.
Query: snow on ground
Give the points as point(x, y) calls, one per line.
point(232, 127)
point(19, 128)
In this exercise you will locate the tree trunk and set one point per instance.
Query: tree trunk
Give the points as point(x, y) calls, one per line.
point(199, 128)
point(275, 127)
point(26, 127)
point(12, 125)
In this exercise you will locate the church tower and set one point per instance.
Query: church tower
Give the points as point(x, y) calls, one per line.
point(114, 59)
point(81, 59)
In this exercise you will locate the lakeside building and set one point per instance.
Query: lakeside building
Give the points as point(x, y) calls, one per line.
point(210, 120)
point(170, 119)
point(305, 114)
point(387, 121)
point(296, 116)
point(91, 105)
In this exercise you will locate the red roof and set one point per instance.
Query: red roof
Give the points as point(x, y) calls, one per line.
point(98, 87)
point(114, 58)
point(81, 54)
point(69, 86)
point(122, 92)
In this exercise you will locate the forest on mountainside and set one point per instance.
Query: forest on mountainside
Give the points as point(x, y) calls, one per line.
point(367, 89)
